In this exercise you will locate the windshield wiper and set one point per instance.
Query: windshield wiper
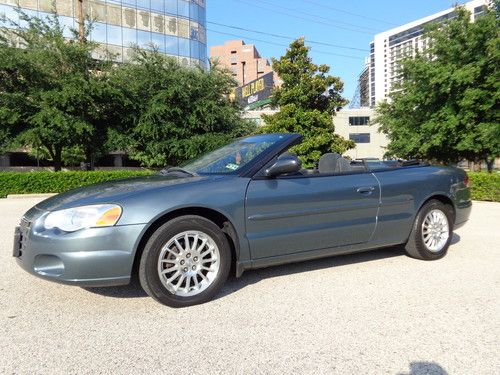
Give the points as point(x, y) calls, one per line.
point(177, 170)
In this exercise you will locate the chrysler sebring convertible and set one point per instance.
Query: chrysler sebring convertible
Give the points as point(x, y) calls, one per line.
point(247, 205)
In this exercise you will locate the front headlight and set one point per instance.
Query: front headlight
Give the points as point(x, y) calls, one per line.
point(72, 219)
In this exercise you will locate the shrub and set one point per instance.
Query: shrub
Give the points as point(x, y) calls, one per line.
point(485, 186)
point(50, 182)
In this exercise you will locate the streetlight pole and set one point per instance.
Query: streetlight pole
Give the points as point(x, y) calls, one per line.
point(81, 21)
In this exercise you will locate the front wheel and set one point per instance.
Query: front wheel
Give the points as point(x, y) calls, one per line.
point(432, 231)
point(185, 262)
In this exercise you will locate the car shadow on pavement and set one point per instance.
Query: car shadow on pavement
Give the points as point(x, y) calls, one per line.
point(254, 276)
point(134, 289)
point(425, 368)
point(455, 239)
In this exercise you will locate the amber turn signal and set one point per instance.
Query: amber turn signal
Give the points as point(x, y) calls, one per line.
point(110, 217)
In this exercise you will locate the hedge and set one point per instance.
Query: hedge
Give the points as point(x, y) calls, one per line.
point(50, 182)
point(485, 186)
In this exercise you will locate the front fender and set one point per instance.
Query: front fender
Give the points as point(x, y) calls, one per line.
point(224, 196)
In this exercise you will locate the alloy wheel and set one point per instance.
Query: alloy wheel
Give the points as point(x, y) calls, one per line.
point(435, 230)
point(188, 263)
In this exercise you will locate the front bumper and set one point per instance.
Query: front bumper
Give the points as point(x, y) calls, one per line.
point(88, 257)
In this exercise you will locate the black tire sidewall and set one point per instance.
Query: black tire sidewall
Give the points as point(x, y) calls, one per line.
point(148, 269)
point(419, 242)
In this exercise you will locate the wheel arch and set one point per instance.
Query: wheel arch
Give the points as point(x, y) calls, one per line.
point(221, 220)
point(443, 198)
point(413, 244)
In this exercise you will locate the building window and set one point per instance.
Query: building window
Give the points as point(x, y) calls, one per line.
point(120, 23)
point(359, 120)
point(360, 137)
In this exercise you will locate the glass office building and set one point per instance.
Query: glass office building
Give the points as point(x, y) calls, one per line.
point(176, 27)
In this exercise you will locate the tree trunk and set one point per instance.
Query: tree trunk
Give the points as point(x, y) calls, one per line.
point(89, 159)
point(489, 164)
point(57, 158)
point(81, 21)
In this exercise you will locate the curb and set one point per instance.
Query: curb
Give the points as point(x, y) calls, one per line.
point(22, 196)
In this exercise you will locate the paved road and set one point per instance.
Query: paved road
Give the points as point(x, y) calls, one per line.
point(373, 313)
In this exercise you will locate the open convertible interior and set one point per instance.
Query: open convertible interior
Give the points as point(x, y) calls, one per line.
point(333, 163)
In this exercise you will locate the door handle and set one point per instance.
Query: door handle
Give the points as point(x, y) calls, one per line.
point(365, 190)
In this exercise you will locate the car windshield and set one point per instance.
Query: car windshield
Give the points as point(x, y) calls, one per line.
point(234, 156)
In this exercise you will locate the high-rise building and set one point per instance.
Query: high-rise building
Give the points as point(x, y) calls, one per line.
point(389, 46)
point(176, 27)
point(361, 97)
point(243, 60)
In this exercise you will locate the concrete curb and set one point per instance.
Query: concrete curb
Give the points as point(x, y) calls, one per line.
point(21, 196)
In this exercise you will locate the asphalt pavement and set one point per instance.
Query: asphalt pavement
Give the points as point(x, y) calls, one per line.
point(379, 312)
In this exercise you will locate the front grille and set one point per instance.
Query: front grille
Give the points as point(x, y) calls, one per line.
point(24, 228)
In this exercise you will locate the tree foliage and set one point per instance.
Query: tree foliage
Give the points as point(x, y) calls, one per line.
point(446, 107)
point(175, 113)
point(57, 99)
point(307, 99)
point(51, 93)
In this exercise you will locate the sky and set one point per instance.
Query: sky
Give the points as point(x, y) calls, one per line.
point(350, 24)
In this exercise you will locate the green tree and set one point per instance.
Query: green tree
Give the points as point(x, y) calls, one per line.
point(53, 93)
point(446, 107)
point(174, 113)
point(307, 99)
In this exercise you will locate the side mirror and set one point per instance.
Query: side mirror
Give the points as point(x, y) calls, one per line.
point(283, 166)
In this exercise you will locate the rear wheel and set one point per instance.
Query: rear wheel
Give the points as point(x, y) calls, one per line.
point(185, 262)
point(432, 231)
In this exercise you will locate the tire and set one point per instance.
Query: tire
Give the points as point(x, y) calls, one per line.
point(429, 239)
point(177, 275)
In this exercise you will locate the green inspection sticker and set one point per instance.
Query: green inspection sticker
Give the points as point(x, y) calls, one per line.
point(232, 166)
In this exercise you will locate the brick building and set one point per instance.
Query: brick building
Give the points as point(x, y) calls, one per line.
point(242, 59)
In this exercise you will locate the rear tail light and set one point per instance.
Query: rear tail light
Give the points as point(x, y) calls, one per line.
point(466, 180)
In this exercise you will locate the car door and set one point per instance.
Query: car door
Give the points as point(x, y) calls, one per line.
point(287, 215)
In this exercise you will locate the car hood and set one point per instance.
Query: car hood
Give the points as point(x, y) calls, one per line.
point(114, 191)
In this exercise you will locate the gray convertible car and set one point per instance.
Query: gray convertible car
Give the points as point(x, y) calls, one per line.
point(247, 205)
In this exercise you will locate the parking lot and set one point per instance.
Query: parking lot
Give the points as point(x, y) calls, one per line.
point(379, 312)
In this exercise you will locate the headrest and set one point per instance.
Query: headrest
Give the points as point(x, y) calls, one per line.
point(328, 162)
